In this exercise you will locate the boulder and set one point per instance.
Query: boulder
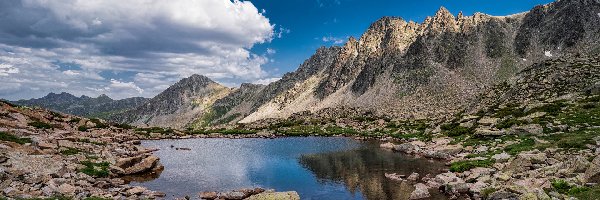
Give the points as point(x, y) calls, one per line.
point(66, 189)
point(592, 174)
point(483, 132)
point(135, 191)
point(421, 192)
point(501, 195)
point(413, 177)
point(501, 157)
point(136, 165)
point(488, 121)
point(387, 145)
point(235, 195)
point(405, 148)
point(529, 129)
point(208, 195)
point(275, 195)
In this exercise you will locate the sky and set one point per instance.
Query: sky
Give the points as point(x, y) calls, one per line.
point(141, 47)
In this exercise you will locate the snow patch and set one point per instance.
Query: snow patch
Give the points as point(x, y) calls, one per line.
point(524, 59)
point(548, 53)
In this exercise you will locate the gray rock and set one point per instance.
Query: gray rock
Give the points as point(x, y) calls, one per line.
point(421, 192)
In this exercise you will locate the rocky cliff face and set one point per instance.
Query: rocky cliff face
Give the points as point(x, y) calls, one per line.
point(431, 69)
point(406, 69)
point(100, 107)
point(177, 106)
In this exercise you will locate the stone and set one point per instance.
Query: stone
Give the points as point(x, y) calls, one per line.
point(534, 158)
point(292, 195)
point(488, 121)
point(501, 157)
point(405, 148)
point(208, 195)
point(235, 195)
point(136, 165)
point(135, 191)
point(387, 145)
point(529, 129)
point(66, 189)
point(483, 132)
point(394, 176)
point(501, 195)
point(413, 177)
point(421, 192)
point(592, 174)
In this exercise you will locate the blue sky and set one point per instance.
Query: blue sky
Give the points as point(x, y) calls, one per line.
point(141, 47)
point(310, 21)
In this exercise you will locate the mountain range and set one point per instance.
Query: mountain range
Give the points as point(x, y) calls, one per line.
point(99, 107)
point(397, 68)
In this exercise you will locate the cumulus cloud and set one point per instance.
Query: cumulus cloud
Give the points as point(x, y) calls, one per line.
point(150, 44)
point(266, 81)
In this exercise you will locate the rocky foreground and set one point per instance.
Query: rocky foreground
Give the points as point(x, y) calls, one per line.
point(49, 155)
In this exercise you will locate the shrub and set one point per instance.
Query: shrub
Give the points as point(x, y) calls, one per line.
point(561, 186)
point(95, 169)
point(525, 145)
point(40, 125)
point(70, 151)
point(82, 128)
point(588, 106)
point(124, 126)
point(98, 123)
point(465, 165)
point(509, 123)
point(75, 120)
point(12, 138)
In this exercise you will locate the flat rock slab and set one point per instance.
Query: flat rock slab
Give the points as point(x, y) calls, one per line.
point(275, 196)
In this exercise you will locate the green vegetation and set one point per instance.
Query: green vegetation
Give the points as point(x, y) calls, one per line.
point(124, 126)
point(509, 123)
point(47, 198)
point(96, 198)
point(526, 144)
point(4, 136)
point(455, 130)
point(485, 193)
point(95, 169)
point(40, 125)
point(99, 123)
point(465, 165)
point(587, 194)
point(75, 120)
point(86, 140)
point(561, 186)
point(573, 140)
point(70, 151)
point(82, 128)
point(162, 131)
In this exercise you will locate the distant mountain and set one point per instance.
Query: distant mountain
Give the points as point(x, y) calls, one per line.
point(402, 69)
point(100, 107)
point(180, 105)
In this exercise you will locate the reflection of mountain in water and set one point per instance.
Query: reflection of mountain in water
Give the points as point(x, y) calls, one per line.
point(363, 170)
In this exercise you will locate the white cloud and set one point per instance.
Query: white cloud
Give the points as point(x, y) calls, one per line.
point(334, 40)
point(118, 85)
point(266, 81)
point(6, 69)
point(271, 51)
point(137, 39)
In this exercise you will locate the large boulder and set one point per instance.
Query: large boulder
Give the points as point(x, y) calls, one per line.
point(484, 132)
point(136, 165)
point(592, 174)
point(421, 192)
point(529, 129)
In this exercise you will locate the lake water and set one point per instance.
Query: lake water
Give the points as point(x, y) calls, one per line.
point(315, 167)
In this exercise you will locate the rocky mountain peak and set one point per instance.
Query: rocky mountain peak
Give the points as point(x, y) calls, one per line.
point(442, 21)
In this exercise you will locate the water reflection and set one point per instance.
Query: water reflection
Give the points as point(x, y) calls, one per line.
point(317, 168)
point(363, 170)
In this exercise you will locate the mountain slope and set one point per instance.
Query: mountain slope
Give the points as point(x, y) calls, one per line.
point(101, 107)
point(179, 105)
point(399, 69)
point(432, 69)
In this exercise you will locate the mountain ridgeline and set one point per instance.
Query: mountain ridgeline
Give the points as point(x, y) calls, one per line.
point(400, 69)
point(99, 107)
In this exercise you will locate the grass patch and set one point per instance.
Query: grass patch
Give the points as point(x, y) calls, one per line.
point(4, 136)
point(574, 140)
point(124, 126)
point(40, 125)
point(526, 144)
point(75, 120)
point(455, 130)
point(561, 186)
point(485, 193)
point(465, 165)
point(589, 194)
point(82, 128)
point(95, 169)
point(163, 131)
point(70, 151)
point(99, 123)
point(509, 123)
